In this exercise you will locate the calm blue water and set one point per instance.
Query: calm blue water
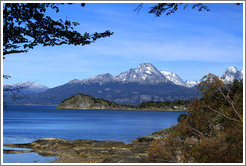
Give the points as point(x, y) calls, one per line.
point(23, 124)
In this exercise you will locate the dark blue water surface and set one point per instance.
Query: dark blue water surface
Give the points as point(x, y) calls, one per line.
point(22, 124)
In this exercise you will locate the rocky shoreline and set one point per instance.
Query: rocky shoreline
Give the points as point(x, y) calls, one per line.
point(89, 151)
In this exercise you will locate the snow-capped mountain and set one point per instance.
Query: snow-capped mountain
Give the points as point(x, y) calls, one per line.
point(228, 77)
point(27, 87)
point(231, 74)
point(174, 78)
point(144, 83)
point(145, 73)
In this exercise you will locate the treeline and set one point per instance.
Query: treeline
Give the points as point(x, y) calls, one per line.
point(176, 105)
point(163, 104)
point(211, 131)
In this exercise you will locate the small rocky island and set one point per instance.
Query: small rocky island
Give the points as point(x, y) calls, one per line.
point(85, 102)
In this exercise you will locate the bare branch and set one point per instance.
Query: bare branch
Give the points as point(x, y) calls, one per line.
point(138, 8)
point(197, 132)
point(16, 91)
point(13, 51)
point(230, 102)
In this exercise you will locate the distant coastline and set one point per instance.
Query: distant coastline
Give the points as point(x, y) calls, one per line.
point(120, 109)
point(178, 109)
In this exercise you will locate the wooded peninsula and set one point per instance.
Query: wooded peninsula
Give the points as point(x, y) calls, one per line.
point(85, 102)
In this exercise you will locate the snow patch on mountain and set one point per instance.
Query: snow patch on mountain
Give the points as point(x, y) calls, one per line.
point(102, 78)
point(173, 78)
point(74, 81)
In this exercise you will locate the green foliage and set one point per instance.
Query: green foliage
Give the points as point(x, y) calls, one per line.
point(170, 8)
point(25, 25)
point(212, 132)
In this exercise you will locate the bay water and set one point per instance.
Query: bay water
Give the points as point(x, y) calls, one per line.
point(25, 124)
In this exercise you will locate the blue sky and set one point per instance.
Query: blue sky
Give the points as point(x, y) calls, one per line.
point(188, 43)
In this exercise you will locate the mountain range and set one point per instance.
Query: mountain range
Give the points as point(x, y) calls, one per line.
point(134, 86)
point(146, 73)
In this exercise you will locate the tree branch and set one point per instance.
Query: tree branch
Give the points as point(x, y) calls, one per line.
point(13, 51)
point(230, 102)
point(222, 113)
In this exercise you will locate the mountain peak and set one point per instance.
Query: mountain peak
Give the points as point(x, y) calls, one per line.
point(145, 65)
point(145, 73)
point(231, 74)
point(103, 77)
point(231, 69)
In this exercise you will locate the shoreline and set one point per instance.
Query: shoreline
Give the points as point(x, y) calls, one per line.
point(89, 151)
point(92, 151)
point(124, 110)
point(112, 109)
